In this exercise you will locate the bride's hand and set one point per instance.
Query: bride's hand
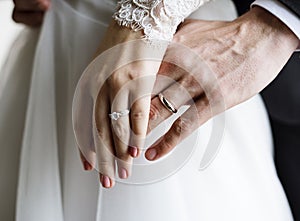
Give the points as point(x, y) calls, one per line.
point(127, 88)
point(243, 57)
point(30, 12)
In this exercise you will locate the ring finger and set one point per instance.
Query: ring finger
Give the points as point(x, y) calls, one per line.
point(176, 95)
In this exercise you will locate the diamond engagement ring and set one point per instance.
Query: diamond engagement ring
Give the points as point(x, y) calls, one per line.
point(117, 115)
point(167, 103)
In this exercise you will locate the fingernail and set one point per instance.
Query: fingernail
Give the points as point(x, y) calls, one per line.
point(106, 182)
point(133, 151)
point(151, 154)
point(123, 173)
point(87, 166)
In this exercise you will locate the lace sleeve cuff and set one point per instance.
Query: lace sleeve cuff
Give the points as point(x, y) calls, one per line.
point(157, 18)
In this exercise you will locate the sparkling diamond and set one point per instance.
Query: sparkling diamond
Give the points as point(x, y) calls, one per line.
point(114, 115)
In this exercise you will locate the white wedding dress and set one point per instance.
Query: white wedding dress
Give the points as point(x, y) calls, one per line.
point(41, 174)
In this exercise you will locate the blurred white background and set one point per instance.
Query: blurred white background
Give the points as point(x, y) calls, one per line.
point(9, 29)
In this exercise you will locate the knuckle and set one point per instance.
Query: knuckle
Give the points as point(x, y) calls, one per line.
point(120, 130)
point(204, 103)
point(116, 80)
point(106, 167)
point(119, 78)
point(187, 80)
point(133, 75)
point(154, 112)
point(167, 145)
point(182, 125)
point(123, 157)
point(190, 84)
point(139, 114)
point(101, 133)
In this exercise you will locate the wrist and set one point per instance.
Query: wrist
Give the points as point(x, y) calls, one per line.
point(150, 17)
point(265, 24)
point(157, 19)
point(116, 34)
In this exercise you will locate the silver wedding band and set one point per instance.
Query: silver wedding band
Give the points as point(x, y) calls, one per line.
point(117, 115)
point(167, 103)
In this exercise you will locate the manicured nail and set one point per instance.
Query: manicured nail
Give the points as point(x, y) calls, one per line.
point(133, 151)
point(106, 181)
point(87, 166)
point(123, 173)
point(151, 154)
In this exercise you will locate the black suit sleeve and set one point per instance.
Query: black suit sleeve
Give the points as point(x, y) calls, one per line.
point(294, 5)
point(244, 5)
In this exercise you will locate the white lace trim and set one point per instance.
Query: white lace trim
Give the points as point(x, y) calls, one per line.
point(157, 18)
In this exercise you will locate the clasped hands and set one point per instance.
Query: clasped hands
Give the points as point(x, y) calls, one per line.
point(210, 64)
point(221, 64)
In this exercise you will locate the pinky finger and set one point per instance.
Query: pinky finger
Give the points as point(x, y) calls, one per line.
point(88, 165)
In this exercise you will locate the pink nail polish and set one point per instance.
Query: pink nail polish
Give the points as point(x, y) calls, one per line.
point(106, 181)
point(87, 166)
point(133, 151)
point(123, 173)
point(151, 154)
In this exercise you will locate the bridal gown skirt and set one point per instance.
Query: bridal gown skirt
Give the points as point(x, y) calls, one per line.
point(41, 174)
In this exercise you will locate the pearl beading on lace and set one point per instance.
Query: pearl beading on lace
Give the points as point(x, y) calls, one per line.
point(157, 18)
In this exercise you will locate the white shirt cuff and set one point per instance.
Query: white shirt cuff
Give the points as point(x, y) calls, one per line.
point(283, 13)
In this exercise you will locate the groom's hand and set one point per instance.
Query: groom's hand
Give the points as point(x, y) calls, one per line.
point(234, 61)
point(30, 12)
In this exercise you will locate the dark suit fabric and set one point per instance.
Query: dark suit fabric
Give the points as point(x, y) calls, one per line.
point(243, 5)
point(294, 5)
point(282, 99)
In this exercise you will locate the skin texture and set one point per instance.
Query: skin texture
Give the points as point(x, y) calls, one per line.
point(234, 51)
point(245, 55)
point(128, 87)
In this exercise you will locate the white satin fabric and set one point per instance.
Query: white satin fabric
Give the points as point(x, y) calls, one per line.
point(36, 92)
